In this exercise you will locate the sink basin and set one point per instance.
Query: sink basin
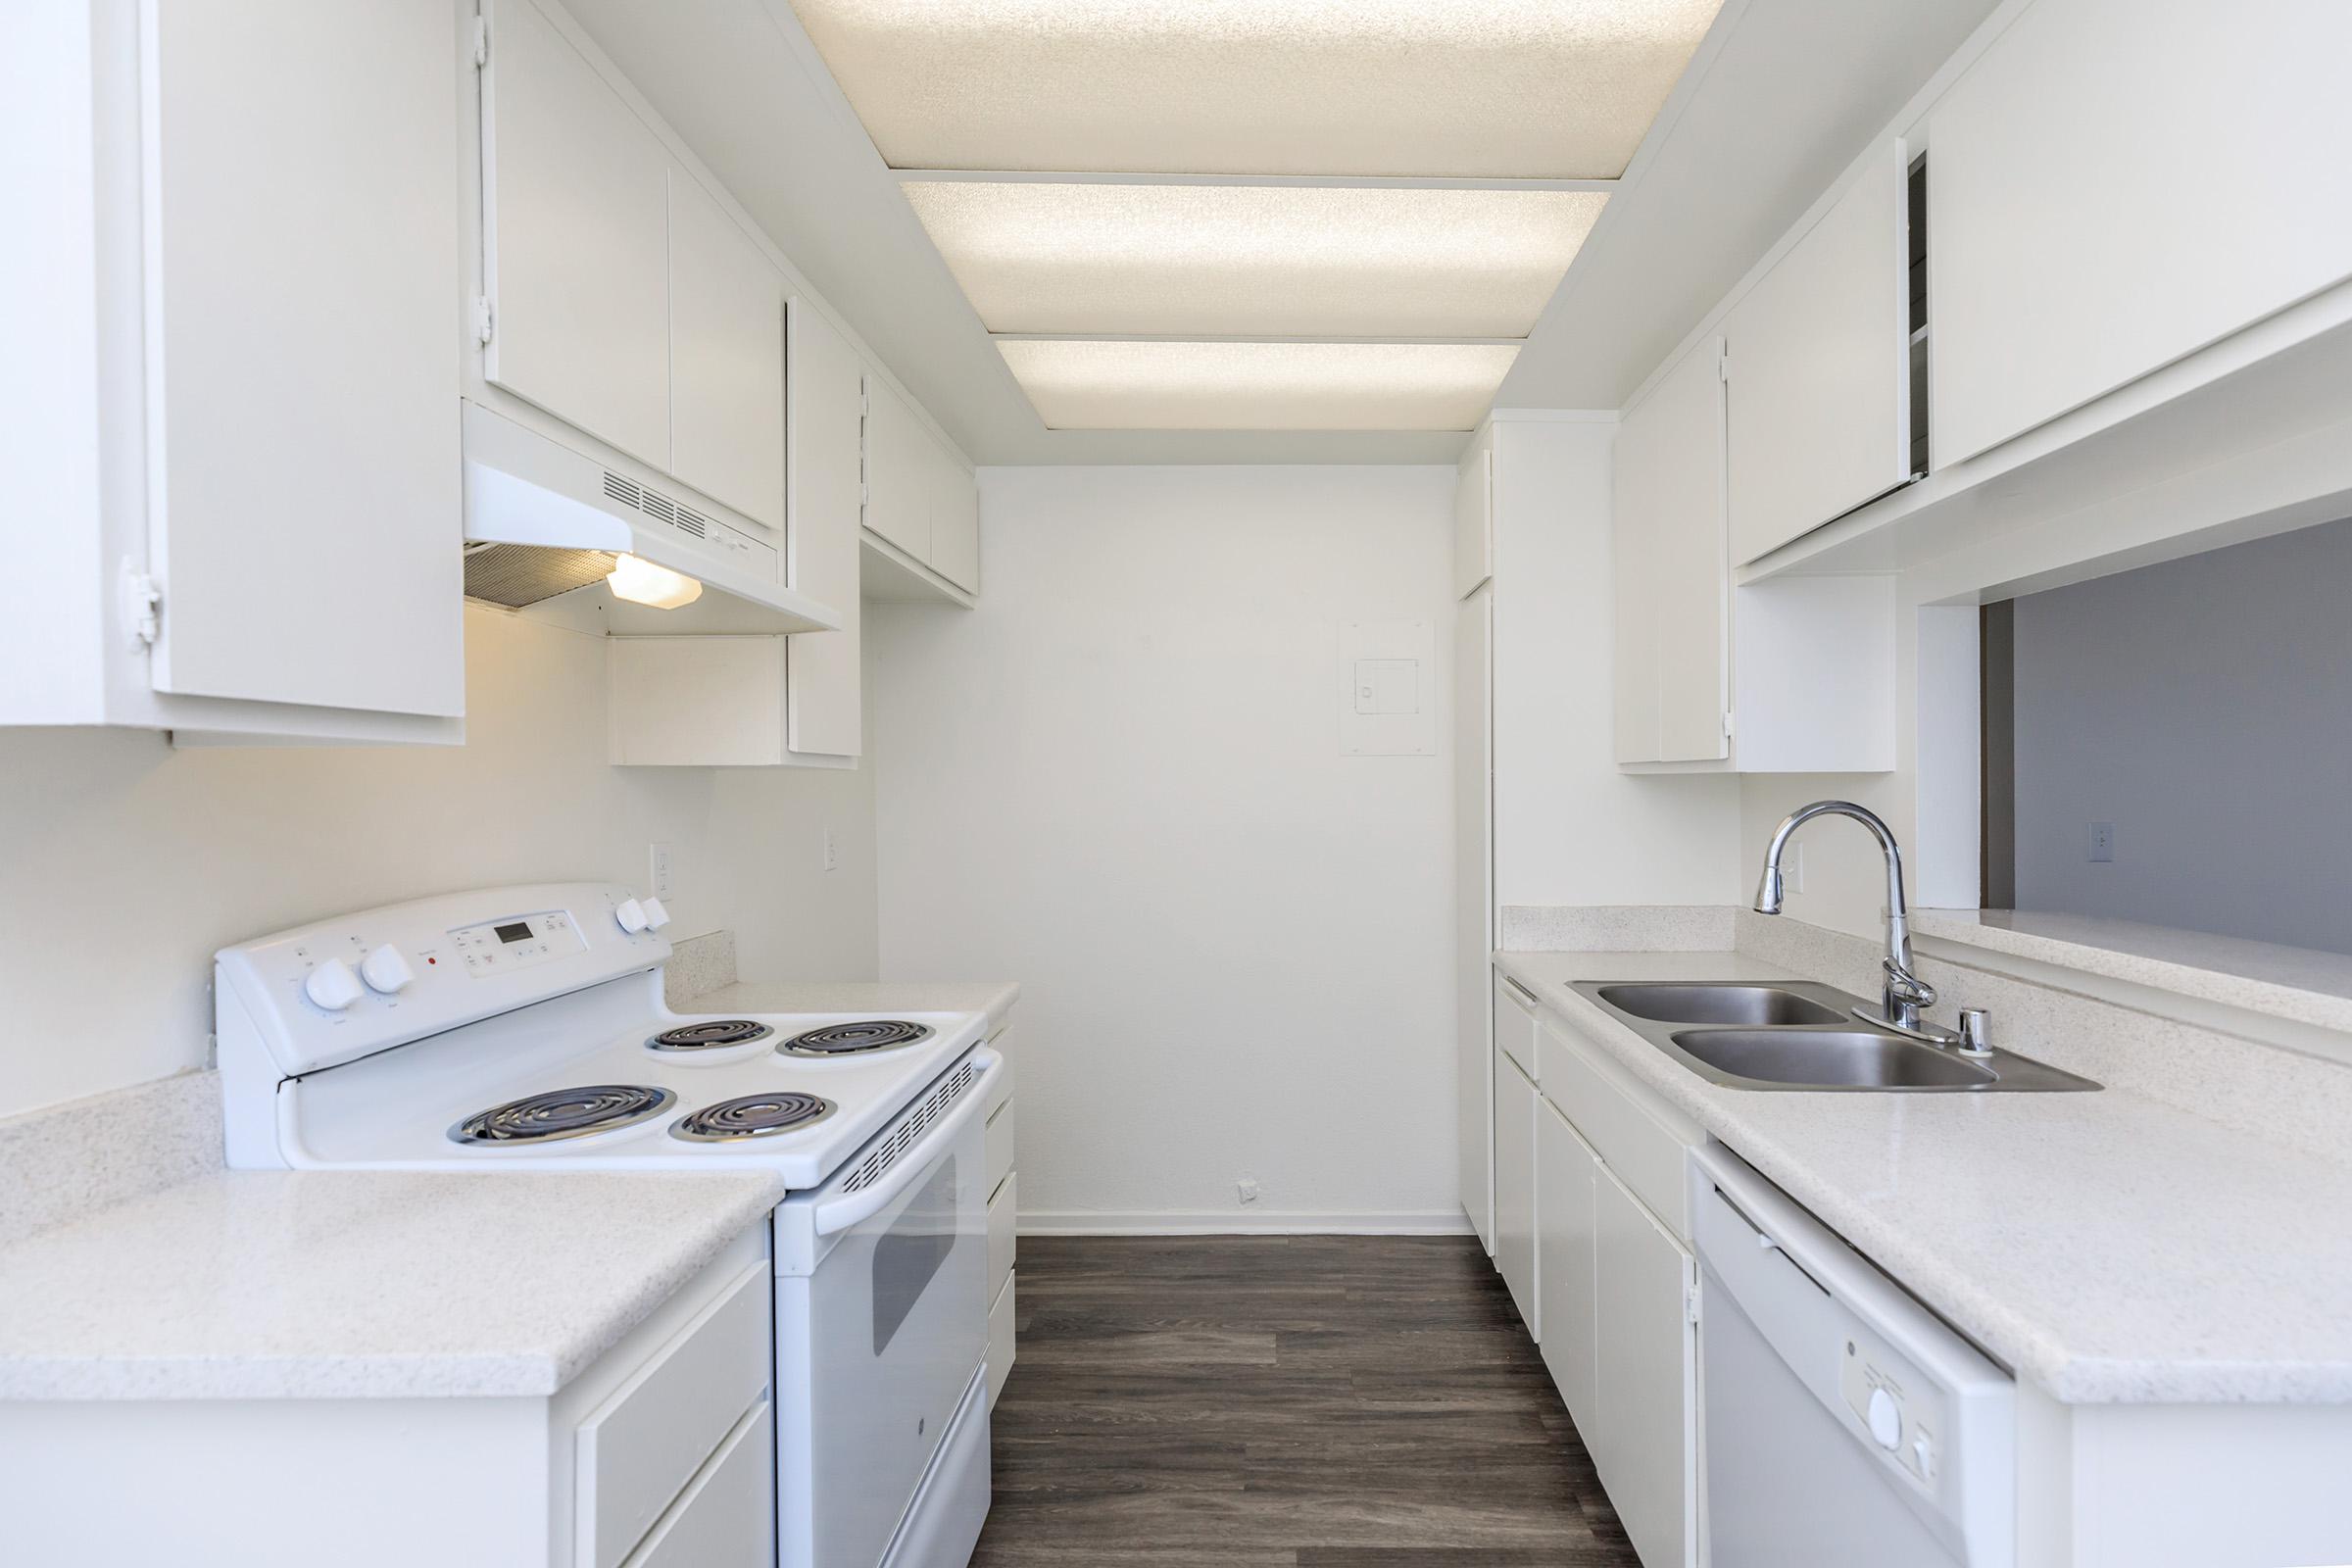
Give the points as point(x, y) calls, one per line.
point(1830, 1058)
point(1754, 1006)
point(1800, 1035)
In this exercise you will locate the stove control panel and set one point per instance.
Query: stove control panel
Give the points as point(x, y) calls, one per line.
point(347, 987)
point(497, 946)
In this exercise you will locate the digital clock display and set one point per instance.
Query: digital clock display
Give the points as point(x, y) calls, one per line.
point(518, 931)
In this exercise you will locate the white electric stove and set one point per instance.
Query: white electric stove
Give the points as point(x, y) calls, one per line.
point(524, 1028)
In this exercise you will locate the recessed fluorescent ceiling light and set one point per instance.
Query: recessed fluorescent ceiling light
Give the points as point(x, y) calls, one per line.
point(1239, 259)
point(1079, 385)
point(1516, 88)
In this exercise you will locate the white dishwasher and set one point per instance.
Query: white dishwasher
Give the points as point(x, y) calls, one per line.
point(1840, 1424)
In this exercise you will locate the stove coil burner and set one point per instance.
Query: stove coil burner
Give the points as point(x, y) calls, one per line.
point(712, 1035)
point(752, 1116)
point(849, 1039)
point(563, 1113)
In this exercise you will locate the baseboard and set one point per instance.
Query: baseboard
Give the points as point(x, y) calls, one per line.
point(1227, 1222)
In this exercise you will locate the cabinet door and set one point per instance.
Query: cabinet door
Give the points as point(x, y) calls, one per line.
point(2118, 182)
point(1566, 1174)
point(1474, 516)
point(301, 332)
point(954, 521)
point(824, 392)
point(1672, 578)
point(1474, 886)
point(1818, 378)
point(1647, 1450)
point(575, 224)
point(1515, 1185)
point(726, 357)
point(897, 455)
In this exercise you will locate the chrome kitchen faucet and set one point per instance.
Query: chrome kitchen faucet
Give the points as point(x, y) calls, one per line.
point(1906, 994)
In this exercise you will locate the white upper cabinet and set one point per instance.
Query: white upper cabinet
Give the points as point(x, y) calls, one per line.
point(726, 360)
point(1818, 368)
point(576, 239)
point(1474, 515)
point(303, 419)
point(2118, 182)
point(824, 707)
point(1669, 569)
point(954, 521)
point(897, 476)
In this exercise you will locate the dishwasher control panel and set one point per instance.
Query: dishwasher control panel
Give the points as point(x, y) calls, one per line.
point(1896, 1408)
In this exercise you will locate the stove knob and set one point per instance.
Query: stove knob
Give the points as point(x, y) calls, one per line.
point(655, 917)
point(1886, 1419)
point(386, 970)
point(631, 915)
point(332, 985)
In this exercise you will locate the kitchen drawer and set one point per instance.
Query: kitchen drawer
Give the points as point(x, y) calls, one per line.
point(637, 1450)
point(1003, 1214)
point(724, 1518)
point(1515, 1023)
point(999, 1157)
point(1642, 1140)
point(999, 1089)
point(1000, 1340)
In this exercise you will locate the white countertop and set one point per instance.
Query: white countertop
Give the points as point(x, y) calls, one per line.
point(254, 1285)
point(992, 997)
point(2110, 1247)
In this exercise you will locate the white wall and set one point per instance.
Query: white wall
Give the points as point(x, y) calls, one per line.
point(1119, 782)
point(2204, 708)
point(126, 863)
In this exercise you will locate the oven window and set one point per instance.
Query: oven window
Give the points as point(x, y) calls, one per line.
point(912, 1252)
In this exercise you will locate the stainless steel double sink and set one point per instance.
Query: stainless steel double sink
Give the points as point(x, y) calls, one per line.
point(1803, 1036)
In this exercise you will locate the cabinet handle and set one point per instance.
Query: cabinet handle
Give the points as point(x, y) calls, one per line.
point(1526, 998)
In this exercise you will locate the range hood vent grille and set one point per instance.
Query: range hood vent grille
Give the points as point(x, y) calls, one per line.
point(516, 576)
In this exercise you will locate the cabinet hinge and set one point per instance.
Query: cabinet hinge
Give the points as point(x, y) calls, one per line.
point(1690, 1302)
point(1727, 723)
point(484, 323)
point(142, 606)
point(1722, 365)
point(481, 42)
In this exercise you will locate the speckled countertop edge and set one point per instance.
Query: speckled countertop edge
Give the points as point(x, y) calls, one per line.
point(2112, 1249)
point(271, 1285)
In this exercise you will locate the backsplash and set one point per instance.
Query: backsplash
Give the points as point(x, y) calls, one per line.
point(62, 1162)
point(1616, 928)
point(698, 966)
point(2281, 1096)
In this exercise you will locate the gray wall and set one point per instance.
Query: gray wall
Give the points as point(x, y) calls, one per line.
point(2203, 707)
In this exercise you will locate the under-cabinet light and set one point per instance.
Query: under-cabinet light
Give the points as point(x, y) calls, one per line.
point(641, 582)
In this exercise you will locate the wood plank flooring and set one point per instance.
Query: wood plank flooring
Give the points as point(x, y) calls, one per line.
point(1320, 1401)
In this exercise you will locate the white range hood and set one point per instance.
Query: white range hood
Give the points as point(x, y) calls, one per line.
point(544, 524)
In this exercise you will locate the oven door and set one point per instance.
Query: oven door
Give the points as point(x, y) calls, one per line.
point(878, 1341)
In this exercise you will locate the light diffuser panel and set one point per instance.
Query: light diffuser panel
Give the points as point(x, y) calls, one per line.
point(1257, 386)
point(1227, 260)
point(1542, 88)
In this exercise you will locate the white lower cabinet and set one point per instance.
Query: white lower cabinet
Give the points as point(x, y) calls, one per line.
point(1515, 1184)
point(1591, 1237)
point(1645, 1433)
point(1566, 1176)
point(1004, 1213)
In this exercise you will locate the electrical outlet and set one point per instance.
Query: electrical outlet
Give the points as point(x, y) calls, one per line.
point(1245, 1189)
point(832, 848)
point(2102, 841)
point(663, 872)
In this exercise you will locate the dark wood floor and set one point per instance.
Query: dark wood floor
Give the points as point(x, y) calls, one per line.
point(1303, 1401)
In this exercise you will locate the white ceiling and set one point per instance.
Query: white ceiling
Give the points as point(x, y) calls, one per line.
point(1781, 97)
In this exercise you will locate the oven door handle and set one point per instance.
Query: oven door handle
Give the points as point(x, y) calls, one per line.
point(840, 1213)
